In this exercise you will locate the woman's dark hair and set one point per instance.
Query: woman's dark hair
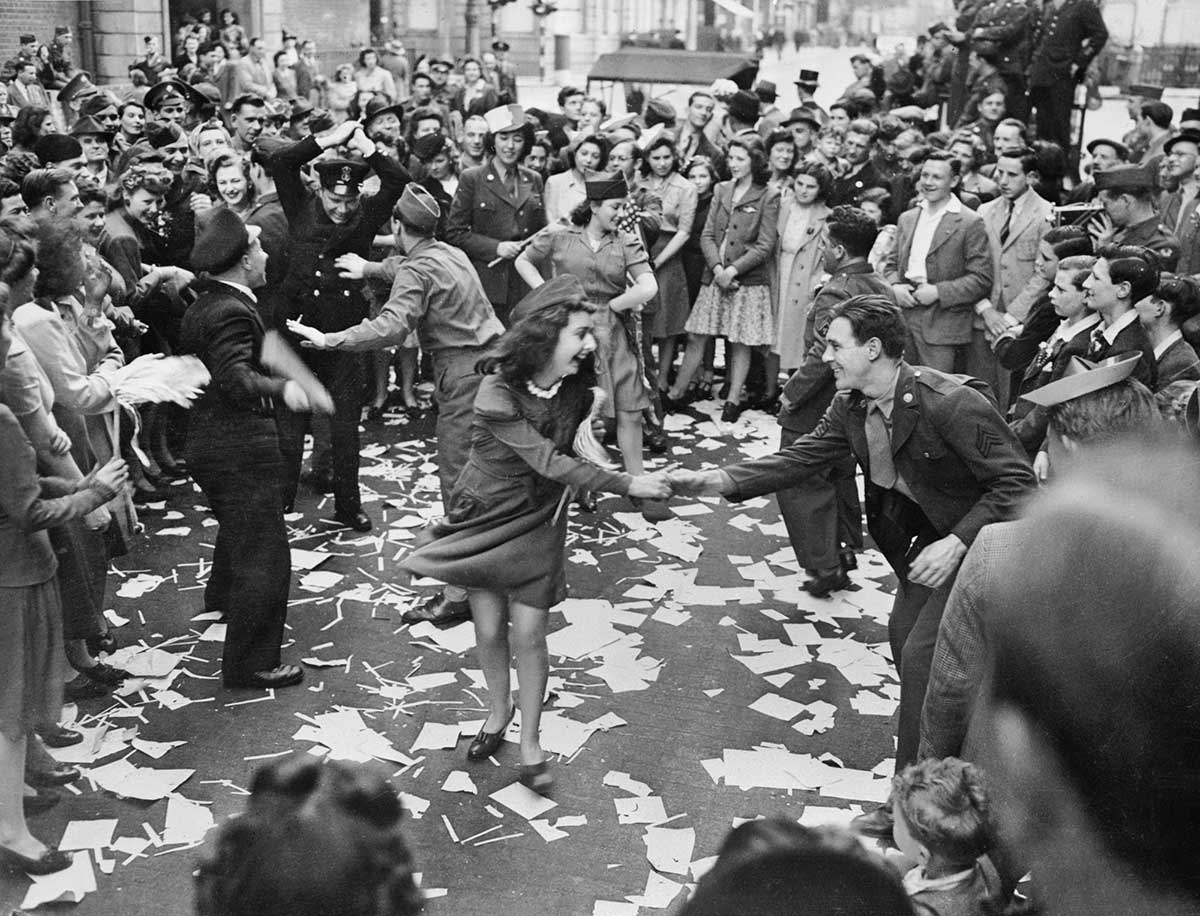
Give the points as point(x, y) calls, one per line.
point(781, 136)
point(874, 316)
point(816, 170)
point(18, 252)
point(882, 198)
point(704, 162)
point(662, 140)
point(595, 140)
point(529, 343)
point(527, 135)
point(233, 17)
point(59, 262)
point(362, 56)
point(315, 838)
point(27, 126)
point(130, 104)
point(91, 192)
point(224, 160)
point(1182, 296)
point(1139, 267)
point(760, 172)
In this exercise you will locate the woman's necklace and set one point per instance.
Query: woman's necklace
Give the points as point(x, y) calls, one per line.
point(543, 393)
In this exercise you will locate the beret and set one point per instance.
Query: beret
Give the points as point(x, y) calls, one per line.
point(56, 148)
point(427, 147)
point(1126, 178)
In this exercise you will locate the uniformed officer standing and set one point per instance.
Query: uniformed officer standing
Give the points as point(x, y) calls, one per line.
point(1069, 34)
point(940, 464)
point(497, 207)
point(506, 71)
point(822, 515)
point(323, 226)
point(1128, 195)
point(435, 291)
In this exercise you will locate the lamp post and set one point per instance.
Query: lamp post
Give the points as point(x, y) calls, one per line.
point(541, 10)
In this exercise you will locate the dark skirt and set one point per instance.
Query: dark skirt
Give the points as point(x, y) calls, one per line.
point(671, 304)
point(519, 554)
point(32, 664)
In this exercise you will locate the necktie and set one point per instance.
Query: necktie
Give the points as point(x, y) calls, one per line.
point(879, 449)
point(1097, 344)
point(1007, 223)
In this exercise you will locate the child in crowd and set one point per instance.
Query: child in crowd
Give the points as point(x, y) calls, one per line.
point(942, 824)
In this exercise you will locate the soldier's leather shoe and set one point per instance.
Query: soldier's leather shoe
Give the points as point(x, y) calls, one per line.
point(824, 585)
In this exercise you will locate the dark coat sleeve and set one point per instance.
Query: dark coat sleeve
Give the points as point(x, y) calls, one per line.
point(232, 359)
point(460, 226)
point(284, 167)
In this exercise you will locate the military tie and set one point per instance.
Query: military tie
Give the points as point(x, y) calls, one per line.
point(879, 449)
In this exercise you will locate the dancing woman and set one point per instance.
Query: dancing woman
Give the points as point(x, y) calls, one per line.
point(504, 535)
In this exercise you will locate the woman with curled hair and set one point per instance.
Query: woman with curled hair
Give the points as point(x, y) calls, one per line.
point(797, 264)
point(30, 606)
point(735, 300)
point(30, 125)
point(679, 197)
point(341, 92)
point(315, 839)
point(585, 155)
point(780, 148)
point(206, 140)
point(370, 77)
point(504, 533)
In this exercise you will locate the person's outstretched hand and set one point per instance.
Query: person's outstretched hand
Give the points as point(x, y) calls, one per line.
point(310, 337)
point(650, 486)
point(350, 266)
point(695, 483)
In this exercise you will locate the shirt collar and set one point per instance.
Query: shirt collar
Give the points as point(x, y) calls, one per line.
point(1110, 333)
point(241, 288)
point(887, 401)
point(915, 880)
point(1065, 332)
point(1166, 345)
point(952, 205)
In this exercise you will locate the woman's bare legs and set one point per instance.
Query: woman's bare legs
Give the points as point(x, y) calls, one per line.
point(739, 369)
point(490, 612)
point(629, 440)
point(691, 362)
point(533, 670)
point(14, 832)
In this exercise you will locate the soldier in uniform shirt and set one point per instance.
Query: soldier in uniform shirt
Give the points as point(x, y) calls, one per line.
point(325, 224)
point(1130, 218)
point(506, 71)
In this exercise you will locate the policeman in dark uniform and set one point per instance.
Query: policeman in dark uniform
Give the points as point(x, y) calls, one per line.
point(822, 514)
point(1128, 195)
point(323, 225)
point(1069, 34)
point(498, 206)
point(506, 71)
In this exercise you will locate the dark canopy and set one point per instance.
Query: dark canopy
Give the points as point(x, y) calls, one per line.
point(684, 68)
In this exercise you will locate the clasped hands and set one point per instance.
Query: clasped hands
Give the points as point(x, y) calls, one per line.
point(677, 482)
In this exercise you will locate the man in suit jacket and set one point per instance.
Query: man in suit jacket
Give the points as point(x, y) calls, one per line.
point(822, 515)
point(25, 91)
point(1122, 276)
point(941, 267)
point(498, 206)
point(234, 454)
point(862, 174)
point(1163, 314)
point(940, 464)
point(252, 75)
point(1016, 222)
point(1181, 210)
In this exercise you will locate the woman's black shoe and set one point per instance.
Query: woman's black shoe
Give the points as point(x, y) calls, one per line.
point(58, 736)
point(98, 644)
point(60, 775)
point(39, 802)
point(536, 777)
point(487, 743)
point(656, 440)
point(47, 863)
point(106, 674)
point(731, 411)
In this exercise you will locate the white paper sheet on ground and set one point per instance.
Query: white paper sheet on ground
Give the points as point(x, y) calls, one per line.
point(579, 640)
point(456, 639)
point(613, 907)
point(68, 886)
point(431, 681)
point(715, 767)
point(869, 704)
point(414, 805)
point(307, 559)
point(670, 849)
point(571, 820)
point(778, 680)
point(672, 618)
point(214, 633)
point(639, 810)
point(777, 707)
point(624, 781)
point(114, 619)
point(523, 801)
point(96, 834)
point(691, 510)
point(787, 657)
point(436, 736)
point(206, 616)
point(802, 634)
point(820, 816)
point(546, 831)
point(659, 892)
point(858, 785)
point(156, 749)
point(143, 662)
point(128, 781)
point(187, 822)
point(130, 845)
point(139, 585)
point(320, 579)
point(97, 743)
point(821, 721)
point(459, 781)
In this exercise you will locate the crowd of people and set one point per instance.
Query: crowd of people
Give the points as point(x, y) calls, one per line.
point(943, 303)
